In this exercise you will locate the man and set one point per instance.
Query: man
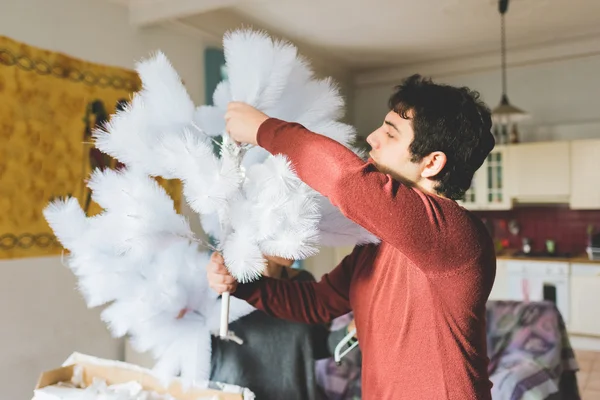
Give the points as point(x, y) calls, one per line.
point(419, 296)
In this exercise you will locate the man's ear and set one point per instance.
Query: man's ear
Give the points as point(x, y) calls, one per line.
point(433, 164)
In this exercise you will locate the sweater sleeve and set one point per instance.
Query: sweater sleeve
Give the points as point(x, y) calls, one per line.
point(306, 302)
point(417, 224)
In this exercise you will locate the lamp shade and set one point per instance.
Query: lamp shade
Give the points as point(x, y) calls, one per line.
point(506, 113)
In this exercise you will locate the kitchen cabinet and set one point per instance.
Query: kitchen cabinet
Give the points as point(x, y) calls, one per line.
point(585, 174)
point(540, 172)
point(500, 288)
point(489, 189)
point(585, 299)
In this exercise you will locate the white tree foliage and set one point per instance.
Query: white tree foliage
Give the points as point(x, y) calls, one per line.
point(140, 257)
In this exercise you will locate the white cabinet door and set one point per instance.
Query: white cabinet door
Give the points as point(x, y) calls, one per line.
point(495, 193)
point(489, 190)
point(540, 172)
point(585, 174)
point(472, 198)
point(585, 299)
point(500, 288)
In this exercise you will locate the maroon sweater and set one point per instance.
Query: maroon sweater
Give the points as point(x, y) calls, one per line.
point(418, 297)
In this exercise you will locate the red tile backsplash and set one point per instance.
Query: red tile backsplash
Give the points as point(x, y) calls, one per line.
point(568, 228)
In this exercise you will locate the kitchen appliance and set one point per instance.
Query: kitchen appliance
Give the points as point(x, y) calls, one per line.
point(593, 248)
point(513, 227)
point(534, 280)
point(593, 253)
point(526, 246)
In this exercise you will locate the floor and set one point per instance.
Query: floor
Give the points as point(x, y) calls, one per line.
point(588, 377)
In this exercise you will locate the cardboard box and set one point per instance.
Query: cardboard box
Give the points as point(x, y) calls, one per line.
point(117, 372)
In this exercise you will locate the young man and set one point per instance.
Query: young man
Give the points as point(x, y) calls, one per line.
point(419, 296)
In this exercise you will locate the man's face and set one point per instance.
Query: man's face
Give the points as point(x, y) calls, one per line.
point(390, 149)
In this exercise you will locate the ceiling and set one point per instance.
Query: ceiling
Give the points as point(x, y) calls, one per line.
point(361, 34)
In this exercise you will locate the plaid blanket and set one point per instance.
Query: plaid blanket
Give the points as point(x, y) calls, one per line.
point(530, 353)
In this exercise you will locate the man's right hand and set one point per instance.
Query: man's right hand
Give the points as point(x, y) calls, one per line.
point(219, 278)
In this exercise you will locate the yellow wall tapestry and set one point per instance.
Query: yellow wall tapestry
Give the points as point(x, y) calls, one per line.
point(49, 105)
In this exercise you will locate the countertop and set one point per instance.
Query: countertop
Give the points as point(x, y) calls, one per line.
point(514, 255)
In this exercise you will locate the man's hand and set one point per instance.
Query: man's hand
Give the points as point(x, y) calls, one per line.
point(219, 278)
point(242, 122)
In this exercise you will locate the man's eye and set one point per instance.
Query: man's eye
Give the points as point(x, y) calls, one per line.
point(390, 136)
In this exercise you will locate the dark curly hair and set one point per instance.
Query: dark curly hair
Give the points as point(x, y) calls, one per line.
point(447, 119)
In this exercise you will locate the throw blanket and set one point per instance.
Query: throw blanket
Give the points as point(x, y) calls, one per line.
point(530, 353)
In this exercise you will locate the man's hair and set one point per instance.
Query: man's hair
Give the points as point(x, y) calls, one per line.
point(448, 119)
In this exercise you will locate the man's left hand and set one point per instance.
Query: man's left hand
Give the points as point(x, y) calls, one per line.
point(242, 122)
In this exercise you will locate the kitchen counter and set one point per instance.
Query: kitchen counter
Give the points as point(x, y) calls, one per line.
point(583, 259)
point(514, 255)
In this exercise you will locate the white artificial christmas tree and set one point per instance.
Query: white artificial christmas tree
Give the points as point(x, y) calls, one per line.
point(141, 257)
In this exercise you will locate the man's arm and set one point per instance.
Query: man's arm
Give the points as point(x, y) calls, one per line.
point(307, 302)
point(399, 215)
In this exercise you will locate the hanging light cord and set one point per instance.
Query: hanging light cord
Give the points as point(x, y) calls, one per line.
point(503, 8)
point(503, 52)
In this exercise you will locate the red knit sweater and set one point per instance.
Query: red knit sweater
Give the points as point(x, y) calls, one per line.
point(418, 297)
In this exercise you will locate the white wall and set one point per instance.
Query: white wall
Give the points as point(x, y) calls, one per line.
point(561, 96)
point(43, 317)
